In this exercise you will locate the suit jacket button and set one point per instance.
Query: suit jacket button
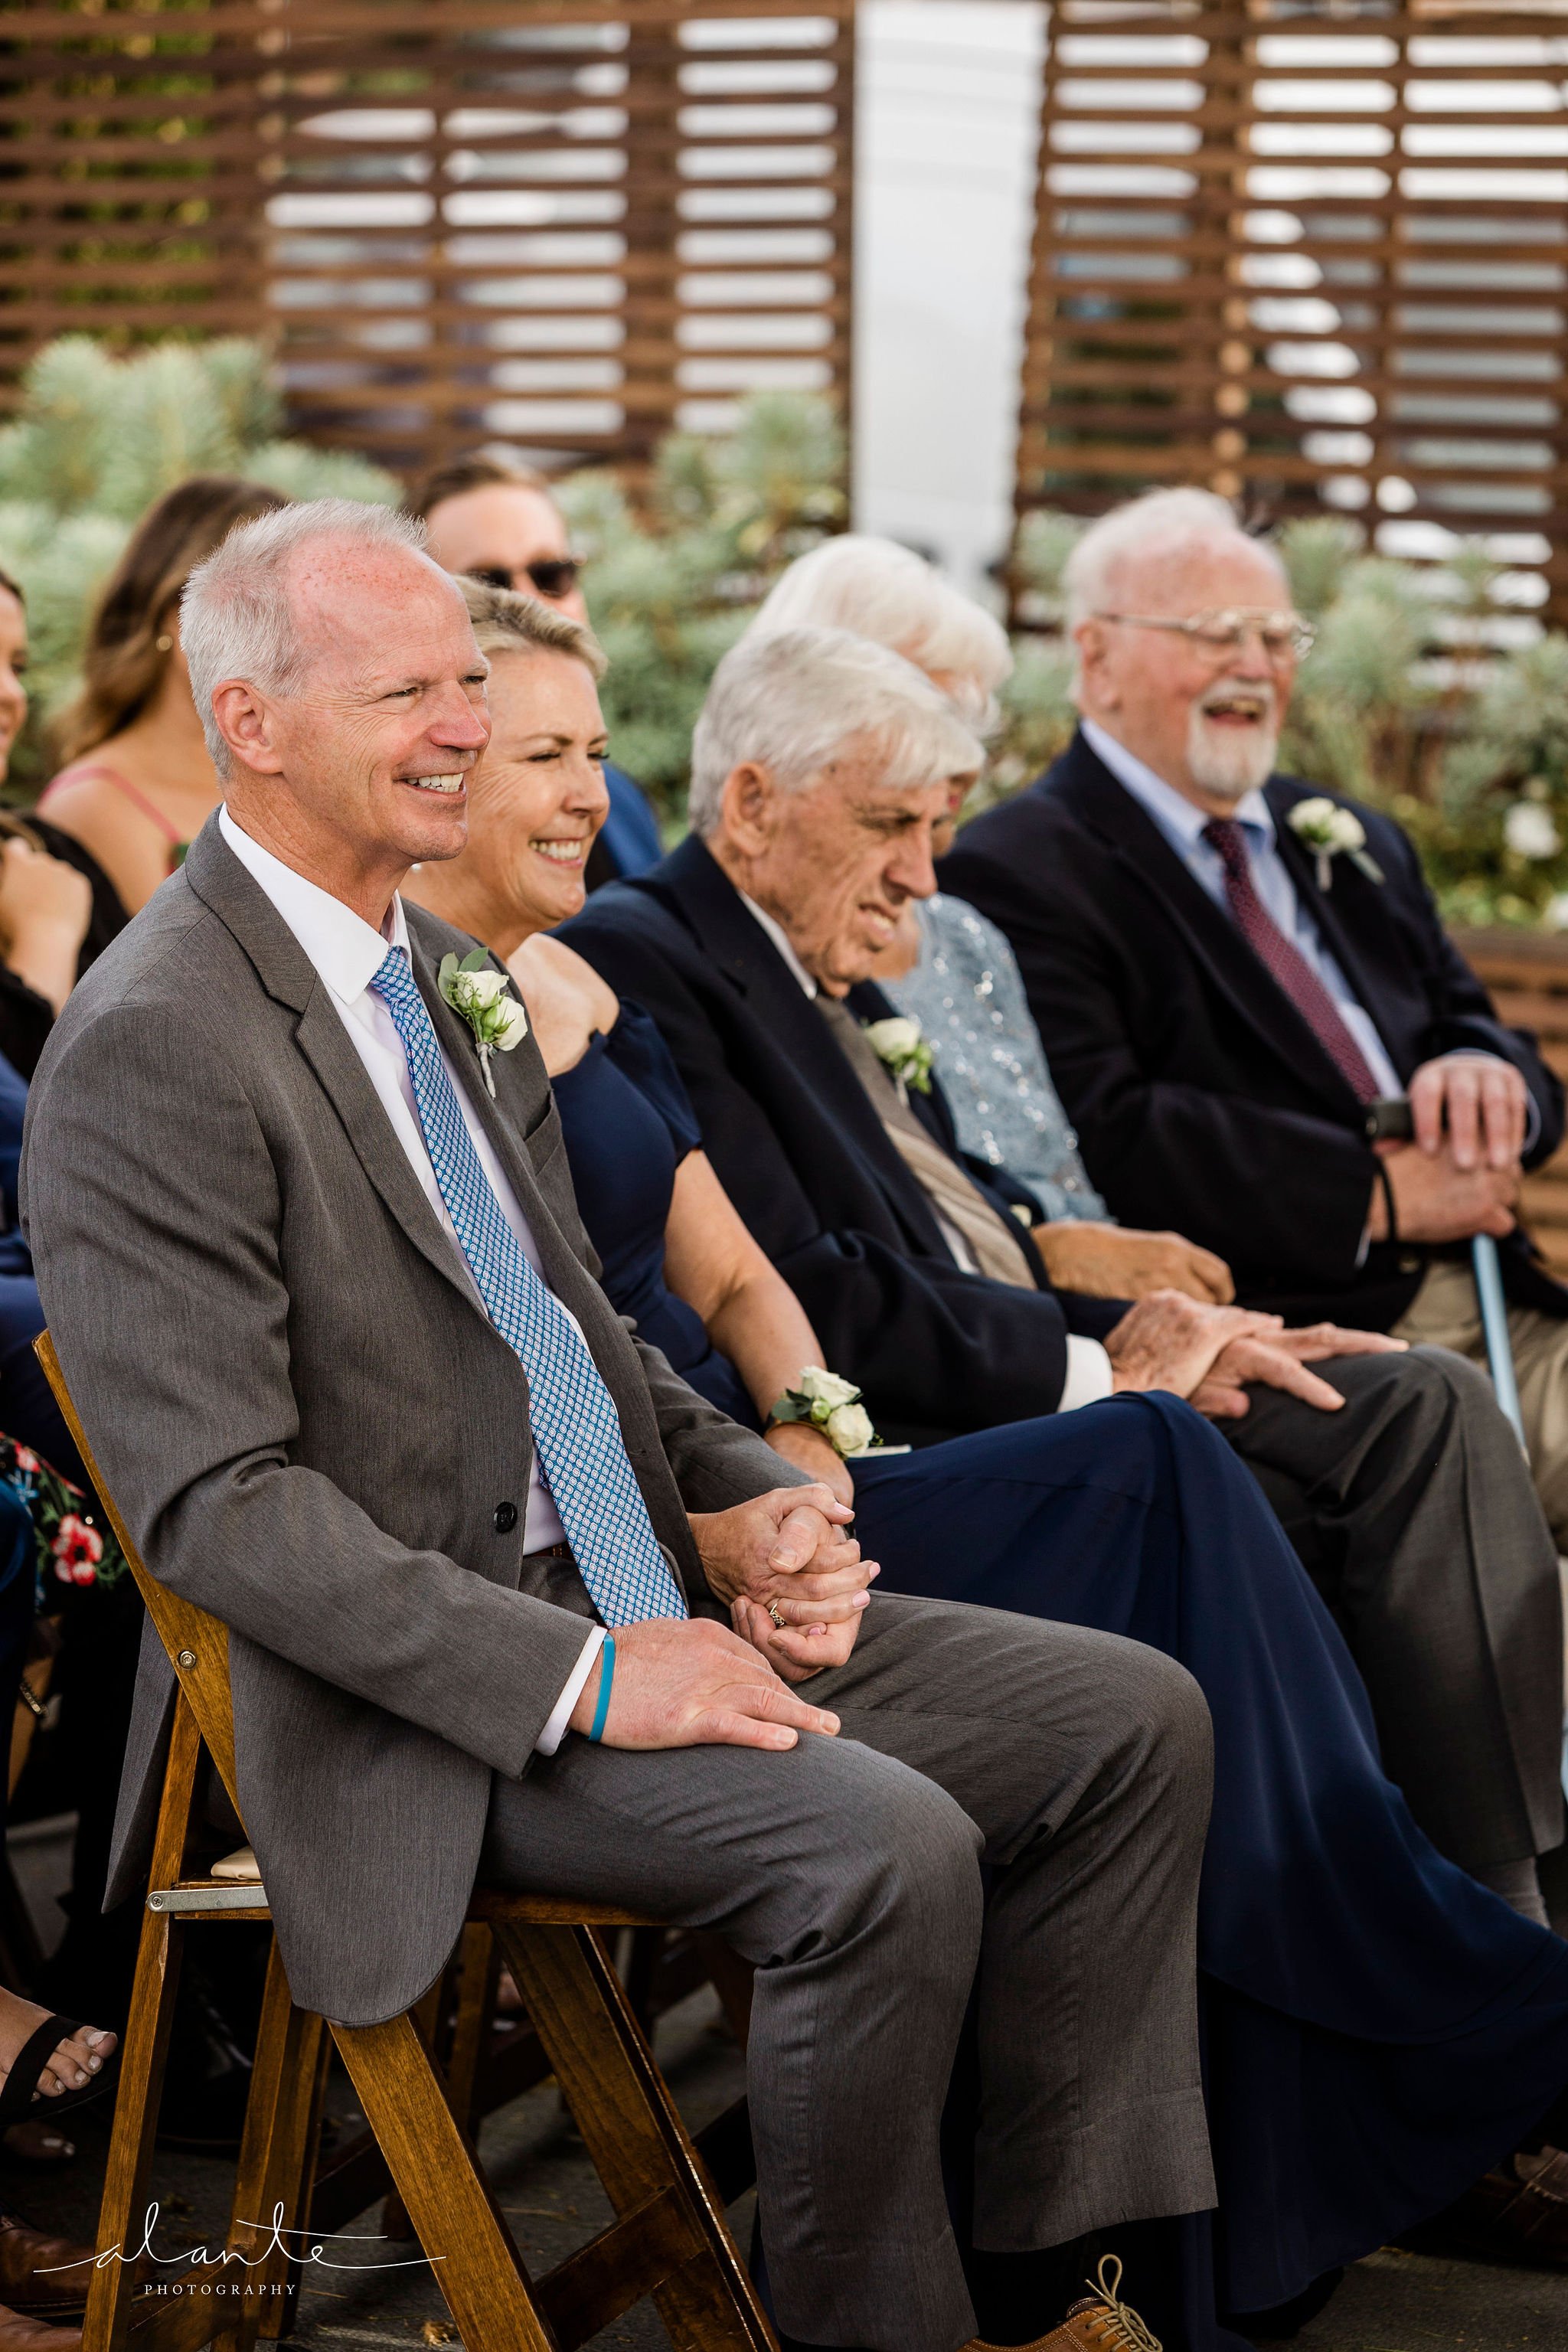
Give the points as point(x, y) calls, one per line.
point(504, 1519)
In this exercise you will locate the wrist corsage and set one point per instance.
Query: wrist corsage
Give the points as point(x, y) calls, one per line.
point(834, 1407)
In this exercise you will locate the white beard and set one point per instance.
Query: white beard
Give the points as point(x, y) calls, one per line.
point(1229, 764)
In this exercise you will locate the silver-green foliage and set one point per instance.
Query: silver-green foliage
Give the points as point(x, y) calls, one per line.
point(96, 438)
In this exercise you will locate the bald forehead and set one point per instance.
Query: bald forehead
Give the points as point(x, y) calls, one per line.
point(1199, 576)
point(335, 565)
point(359, 608)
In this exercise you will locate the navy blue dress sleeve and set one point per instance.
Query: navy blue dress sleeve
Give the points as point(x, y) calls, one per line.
point(639, 1052)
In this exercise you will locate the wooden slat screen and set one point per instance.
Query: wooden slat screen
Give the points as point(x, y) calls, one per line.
point(1528, 976)
point(1314, 254)
point(562, 224)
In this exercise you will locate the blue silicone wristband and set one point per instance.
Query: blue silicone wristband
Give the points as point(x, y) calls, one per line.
point(606, 1676)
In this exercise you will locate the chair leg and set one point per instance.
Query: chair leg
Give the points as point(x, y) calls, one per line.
point(272, 2183)
point(436, 2174)
point(429, 2015)
point(144, 2054)
point(633, 2130)
point(479, 1973)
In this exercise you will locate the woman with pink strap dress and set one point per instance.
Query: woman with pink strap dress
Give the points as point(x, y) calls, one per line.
point(138, 784)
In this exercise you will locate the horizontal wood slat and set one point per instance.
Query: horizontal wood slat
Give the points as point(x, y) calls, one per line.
point(1313, 253)
point(1528, 976)
point(384, 189)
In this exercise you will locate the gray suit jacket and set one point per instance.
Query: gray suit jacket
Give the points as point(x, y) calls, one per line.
point(309, 1422)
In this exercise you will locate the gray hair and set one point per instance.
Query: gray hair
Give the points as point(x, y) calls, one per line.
point(792, 702)
point(505, 622)
point(1155, 524)
point(880, 590)
point(235, 616)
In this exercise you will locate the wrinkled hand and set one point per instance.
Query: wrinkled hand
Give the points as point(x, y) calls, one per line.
point(1102, 1261)
point(1434, 1200)
point(684, 1682)
point(1279, 1361)
point(811, 1450)
point(1170, 1341)
point(1485, 1102)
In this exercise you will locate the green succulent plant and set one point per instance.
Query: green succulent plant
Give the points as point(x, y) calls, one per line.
point(96, 439)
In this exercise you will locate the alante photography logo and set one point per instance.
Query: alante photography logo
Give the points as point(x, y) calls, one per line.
point(268, 2245)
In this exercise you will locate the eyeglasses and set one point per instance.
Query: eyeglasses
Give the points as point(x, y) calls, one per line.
point(1283, 636)
point(553, 576)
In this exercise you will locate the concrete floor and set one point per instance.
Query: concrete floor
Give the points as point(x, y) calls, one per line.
point(384, 2295)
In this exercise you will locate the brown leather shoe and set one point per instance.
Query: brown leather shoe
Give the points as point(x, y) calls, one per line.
point(19, 2334)
point(1099, 2322)
point(40, 2277)
point(1517, 2214)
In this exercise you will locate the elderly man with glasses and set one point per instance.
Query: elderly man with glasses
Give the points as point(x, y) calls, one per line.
point(1232, 971)
point(499, 522)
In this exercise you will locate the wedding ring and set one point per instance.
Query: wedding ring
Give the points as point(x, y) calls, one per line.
point(773, 1614)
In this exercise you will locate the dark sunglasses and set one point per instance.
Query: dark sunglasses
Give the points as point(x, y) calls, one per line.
point(553, 576)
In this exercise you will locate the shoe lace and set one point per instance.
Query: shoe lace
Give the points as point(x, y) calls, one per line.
point(1118, 2327)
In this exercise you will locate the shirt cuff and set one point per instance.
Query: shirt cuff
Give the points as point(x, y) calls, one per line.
point(1090, 1377)
point(555, 1731)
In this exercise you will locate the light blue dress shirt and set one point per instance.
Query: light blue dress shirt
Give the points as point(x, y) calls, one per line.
point(1183, 827)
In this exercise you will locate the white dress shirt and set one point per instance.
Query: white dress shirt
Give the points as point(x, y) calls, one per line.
point(1089, 1374)
point(347, 954)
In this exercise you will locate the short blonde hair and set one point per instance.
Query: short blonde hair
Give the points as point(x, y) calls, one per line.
point(505, 622)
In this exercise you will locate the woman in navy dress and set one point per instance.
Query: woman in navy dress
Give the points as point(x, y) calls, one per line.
point(1379, 2028)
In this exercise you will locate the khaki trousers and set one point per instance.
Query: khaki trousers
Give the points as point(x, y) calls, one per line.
point(1445, 1314)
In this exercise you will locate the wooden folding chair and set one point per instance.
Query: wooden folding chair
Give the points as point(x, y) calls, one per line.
point(670, 2238)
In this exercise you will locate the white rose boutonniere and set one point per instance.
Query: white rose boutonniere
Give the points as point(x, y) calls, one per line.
point(479, 994)
point(897, 1041)
point(1333, 832)
point(834, 1406)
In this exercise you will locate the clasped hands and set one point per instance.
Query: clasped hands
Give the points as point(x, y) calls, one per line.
point(796, 1586)
point(1460, 1176)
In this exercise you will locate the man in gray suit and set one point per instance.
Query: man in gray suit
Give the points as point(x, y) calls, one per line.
point(504, 1595)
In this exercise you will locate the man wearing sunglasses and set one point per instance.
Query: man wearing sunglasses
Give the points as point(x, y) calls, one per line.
point(498, 522)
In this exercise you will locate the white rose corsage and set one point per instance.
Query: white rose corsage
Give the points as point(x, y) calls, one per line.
point(898, 1042)
point(1331, 832)
point(478, 995)
point(834, 1406)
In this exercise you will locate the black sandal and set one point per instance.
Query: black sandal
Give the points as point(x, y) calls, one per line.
point(21, 2101)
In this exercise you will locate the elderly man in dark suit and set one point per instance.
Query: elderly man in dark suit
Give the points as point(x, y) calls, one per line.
point(1397, 1476)
point(1228, 966)
point(502, 1593)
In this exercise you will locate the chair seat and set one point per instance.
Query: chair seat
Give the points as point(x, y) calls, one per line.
point(496, 1903)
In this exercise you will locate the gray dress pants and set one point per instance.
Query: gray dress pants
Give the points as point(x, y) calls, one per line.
point(849, 1869)
point(1412, 1511)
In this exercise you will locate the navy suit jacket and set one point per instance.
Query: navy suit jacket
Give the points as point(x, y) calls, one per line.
point(628, 840)
point(1202, 1098)
point(808, 1164)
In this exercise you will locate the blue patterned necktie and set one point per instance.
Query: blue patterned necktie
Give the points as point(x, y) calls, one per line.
point(576, 1425)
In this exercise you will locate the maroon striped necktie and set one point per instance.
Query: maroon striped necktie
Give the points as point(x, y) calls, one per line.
point(1285, 963)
